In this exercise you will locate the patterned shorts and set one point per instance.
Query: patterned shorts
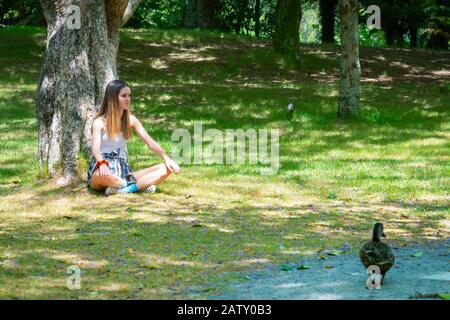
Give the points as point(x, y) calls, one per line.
point(118, 166)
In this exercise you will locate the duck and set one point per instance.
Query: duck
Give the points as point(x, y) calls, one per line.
point(377, 253)
point(291, 110)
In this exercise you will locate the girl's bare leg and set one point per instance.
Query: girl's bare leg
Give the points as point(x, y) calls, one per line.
point(99, 183)
point(140, 173)
point(153, 175)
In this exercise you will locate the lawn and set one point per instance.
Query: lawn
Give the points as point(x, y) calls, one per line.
point(212, 223)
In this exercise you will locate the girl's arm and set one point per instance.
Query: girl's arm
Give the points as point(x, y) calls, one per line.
point(96, 140)
point(152, 144)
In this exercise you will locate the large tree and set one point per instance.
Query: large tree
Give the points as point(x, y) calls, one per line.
point(287, 27)
point(78, 64)
point(350, 71)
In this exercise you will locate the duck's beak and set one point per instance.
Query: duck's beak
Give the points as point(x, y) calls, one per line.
point(383, 235)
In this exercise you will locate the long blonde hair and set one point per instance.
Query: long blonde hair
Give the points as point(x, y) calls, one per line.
point(109, 109)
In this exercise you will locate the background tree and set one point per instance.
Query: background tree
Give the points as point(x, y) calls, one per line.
point(423, 23)
point(437, 31)
point(27, 12)
point(78, 64)
point(327, 18)
point(236, 15)
point(286, 35)
point(202, 13)
point(350, 70)
point(257, 17)
point(159, 14)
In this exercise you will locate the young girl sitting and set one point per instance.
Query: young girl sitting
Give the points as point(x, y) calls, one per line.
point(108, 168)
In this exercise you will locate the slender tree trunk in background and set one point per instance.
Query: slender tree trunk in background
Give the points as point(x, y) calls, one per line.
point(327, 14)
point(191, 20)
point(389, 33)
point(77, 66)
point(202, 13)
point(413, 37)
point(350, 71)
point(207, 13)
point(399, 39)
point(287, 27)
point(257, 16)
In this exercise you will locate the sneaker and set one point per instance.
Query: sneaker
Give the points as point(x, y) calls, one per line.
point(111, 190)
point(149, 189)
point(128, 189)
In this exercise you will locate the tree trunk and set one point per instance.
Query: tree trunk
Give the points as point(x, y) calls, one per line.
point(257, 17)
point(438, 39)
point(350, 71)
point(191, 20)
point(78, 64)
point(390, 36)
point(327, 14)
point(202, 14)
point(413, 37)
point(287, 27)
point(207, 13)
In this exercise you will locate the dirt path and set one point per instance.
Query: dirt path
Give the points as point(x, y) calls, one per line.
point(411, 277)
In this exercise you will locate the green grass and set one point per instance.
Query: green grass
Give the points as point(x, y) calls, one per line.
point(211, 223)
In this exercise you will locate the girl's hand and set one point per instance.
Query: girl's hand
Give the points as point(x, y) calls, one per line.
point(172, 165)
point(104, 171)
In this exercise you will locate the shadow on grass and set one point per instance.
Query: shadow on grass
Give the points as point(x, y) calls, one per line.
point(157, 248)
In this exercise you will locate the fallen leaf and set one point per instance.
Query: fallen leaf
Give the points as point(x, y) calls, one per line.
point(323, 258)
point(286, 267)
point(444, 296)
point(152, 266)
point(329, 267)
point(417, 254)
point(303, 267)
point(334, 253)
point(331, 195)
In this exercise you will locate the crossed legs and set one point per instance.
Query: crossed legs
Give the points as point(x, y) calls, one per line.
point(153, 175)
point(144, 178)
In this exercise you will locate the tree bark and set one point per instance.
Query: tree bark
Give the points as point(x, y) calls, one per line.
point(327, 15)
point(191, 19)
point(413, 37)
point(389, 35)
point(257, 17)
point(287, 27)
point(78, 65)
point(202, 13)
point(350, 70)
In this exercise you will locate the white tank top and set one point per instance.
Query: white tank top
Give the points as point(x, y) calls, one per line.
point(107, 145)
